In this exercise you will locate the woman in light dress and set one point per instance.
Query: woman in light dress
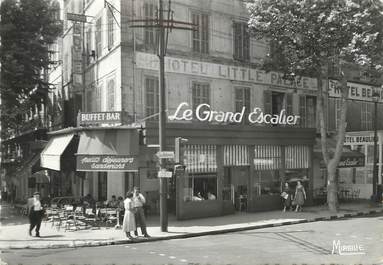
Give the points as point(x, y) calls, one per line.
point(129, 223)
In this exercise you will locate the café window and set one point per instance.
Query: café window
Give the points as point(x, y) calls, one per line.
point(267, 162)
point(200, 36)
point(149, 29)
point(242, 99)
point(366, 115)
point(307, 111)
point(241, 41)
point(197, 187)
point(151, 96)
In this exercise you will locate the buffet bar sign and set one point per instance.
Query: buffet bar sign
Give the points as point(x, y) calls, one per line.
point(205, 113)
point(106, 163)
point(356, 91)
point(99, 117)
point(223, 71)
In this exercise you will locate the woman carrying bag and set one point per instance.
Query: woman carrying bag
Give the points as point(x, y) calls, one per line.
point(300, 196)
point(129, 223)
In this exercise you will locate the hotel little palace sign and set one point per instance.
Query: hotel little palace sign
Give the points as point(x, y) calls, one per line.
point(223, 71)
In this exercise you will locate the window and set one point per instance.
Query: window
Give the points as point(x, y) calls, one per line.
point(307, 111)
point(110, 28)
point(200, 93)
point(366, 120)
point(89, 46)
point(98, 37)
point(197, 187)
point(99, 96)
point(242, 99)
point(89, 99)
point(200, 35)
point(111, 87)
point(149, 32)
point(151, 96)
point(267, 182)
point(274, 102)
point(241, 41)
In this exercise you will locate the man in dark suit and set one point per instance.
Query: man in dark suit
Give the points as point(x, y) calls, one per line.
point(35, 213)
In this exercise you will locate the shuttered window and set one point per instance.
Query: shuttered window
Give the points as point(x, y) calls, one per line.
point(241, 41)
point(111, 88)
point(200, 36)
point(151, 96)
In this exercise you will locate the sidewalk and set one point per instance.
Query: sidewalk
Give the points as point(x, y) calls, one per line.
point(14, 228)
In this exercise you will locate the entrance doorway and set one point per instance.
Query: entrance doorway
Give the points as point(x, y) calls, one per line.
point(237, 180)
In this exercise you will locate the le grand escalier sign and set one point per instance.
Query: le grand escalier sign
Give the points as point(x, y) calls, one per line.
point(205, 113)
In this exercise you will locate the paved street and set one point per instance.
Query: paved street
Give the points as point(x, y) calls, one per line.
point(310, 243)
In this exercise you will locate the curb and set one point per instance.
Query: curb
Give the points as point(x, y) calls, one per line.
point(80, 244)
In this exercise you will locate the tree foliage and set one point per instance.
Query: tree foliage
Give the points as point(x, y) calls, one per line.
point(306, 35)
point(27, 29)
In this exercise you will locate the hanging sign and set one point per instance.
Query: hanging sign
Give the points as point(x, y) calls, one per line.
point(106, 163)
point(204, 113)
point(356, 91)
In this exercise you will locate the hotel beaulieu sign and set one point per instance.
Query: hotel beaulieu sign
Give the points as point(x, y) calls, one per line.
point(203, 112)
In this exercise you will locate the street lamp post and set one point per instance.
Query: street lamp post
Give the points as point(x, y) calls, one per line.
point(375, 98)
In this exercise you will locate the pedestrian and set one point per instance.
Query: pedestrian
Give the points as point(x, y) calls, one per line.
point(286, 196)
point(129, 223)
point(138, 203)
point(35, 213)
point(299, 197)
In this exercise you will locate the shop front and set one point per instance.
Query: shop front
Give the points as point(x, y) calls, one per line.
point(237, 168)
point(91, 160)
point(359, 179)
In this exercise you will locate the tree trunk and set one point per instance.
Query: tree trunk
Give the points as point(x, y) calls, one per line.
point(332, 188)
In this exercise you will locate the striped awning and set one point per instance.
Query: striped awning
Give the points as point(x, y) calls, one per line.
point(236, 155)
point(296, 156)
point(267, 157)
point(200, 158)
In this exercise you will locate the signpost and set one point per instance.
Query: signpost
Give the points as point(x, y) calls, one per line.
point(164, 174)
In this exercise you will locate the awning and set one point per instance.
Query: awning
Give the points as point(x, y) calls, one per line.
point(50, 156)
point(108, 150)
point(349, 158)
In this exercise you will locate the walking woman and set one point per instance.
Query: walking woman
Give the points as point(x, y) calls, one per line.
point(129, 224)
point(300, 196)
point(286, 195)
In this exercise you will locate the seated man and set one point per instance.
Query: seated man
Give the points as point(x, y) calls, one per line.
point(113, 203)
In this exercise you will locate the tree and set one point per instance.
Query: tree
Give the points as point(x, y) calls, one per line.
point(27, 28)
point(307, 34)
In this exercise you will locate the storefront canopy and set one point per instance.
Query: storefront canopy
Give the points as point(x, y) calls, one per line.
point(51, 155)
point(108, 150)
point(349, 158)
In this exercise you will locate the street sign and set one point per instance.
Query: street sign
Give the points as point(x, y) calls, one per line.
point(164, 174)
point(76, 17)
point(179, 169)
point(165, 154)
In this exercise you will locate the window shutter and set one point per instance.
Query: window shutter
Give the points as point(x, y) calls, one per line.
point(289, 103)
point(267, 101)
point(302, 110)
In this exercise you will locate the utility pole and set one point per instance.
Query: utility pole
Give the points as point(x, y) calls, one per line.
point(163, 27)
